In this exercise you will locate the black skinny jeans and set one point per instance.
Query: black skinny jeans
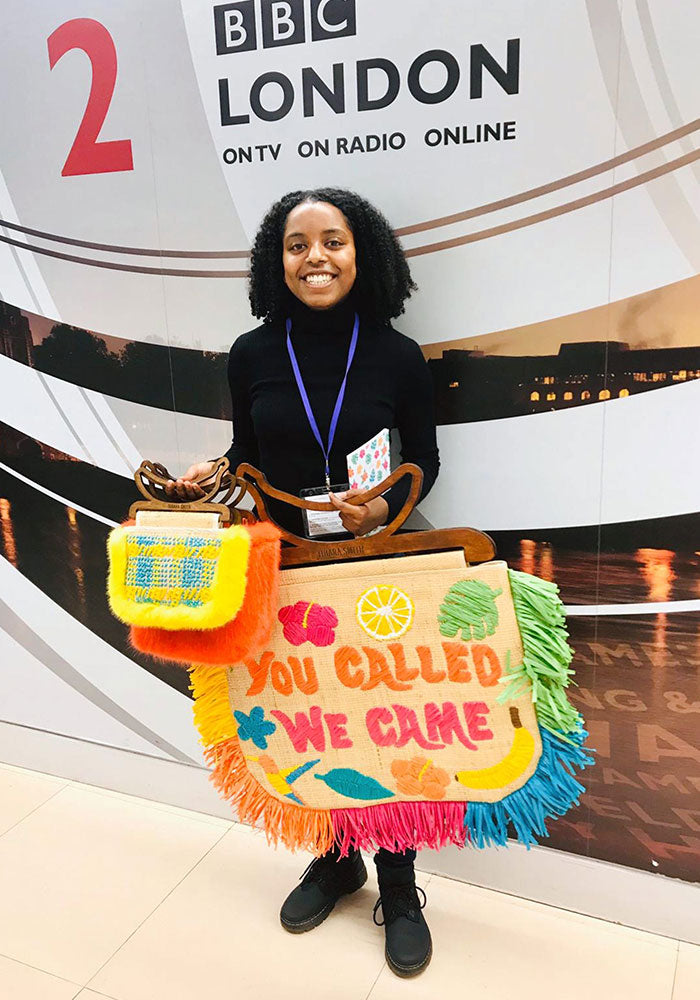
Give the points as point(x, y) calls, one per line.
point(392, 860)
point(383, 858)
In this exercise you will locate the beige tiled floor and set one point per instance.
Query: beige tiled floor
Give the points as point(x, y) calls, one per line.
point(104, 895)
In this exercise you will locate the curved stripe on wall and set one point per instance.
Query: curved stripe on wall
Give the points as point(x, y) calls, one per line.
point(171, 378)
point(628, 460)
point(41, 487)
point(63, 552)
point(633, 155)
point(98, 490)
point(635, 345)
point(31, 637)
point(551, 462)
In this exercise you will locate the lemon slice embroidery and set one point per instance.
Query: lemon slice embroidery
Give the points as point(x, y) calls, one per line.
point(385, 612)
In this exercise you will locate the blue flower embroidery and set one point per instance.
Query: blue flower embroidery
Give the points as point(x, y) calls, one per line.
point(254, 727)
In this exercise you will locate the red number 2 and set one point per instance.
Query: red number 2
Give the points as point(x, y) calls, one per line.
point(87, 155)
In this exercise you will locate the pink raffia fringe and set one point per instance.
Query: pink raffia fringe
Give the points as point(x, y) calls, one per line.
point(399, 826)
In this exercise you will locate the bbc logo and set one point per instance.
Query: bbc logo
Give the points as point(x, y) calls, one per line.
point(281, 23)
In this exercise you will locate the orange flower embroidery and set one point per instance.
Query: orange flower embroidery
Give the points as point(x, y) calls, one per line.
point(419, 776)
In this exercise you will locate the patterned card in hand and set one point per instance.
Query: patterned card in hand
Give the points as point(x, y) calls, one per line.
point(369, 464)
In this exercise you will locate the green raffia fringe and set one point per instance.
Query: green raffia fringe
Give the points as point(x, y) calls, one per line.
point(546, 664)
point(545, 673)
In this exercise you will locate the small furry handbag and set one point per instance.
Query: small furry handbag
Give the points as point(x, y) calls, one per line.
point(248, 629)
point(190, 588)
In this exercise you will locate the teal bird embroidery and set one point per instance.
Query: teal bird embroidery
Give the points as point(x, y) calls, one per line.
point(282, 779)
point(354, 785)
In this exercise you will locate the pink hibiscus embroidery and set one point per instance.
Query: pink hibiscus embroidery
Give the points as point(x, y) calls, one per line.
point(385, 465)
point(362, 453)
point(308, 622)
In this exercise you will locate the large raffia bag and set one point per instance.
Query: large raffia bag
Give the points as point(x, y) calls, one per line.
point(398, 702)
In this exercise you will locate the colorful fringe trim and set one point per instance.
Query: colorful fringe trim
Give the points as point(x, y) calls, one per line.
point(399, 826)
point(546, 667)
point(293, 825)
point(550, 792)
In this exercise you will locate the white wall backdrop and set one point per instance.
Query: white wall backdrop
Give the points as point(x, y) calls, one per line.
point(589, 214)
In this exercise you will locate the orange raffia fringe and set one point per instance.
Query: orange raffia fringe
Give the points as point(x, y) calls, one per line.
point(295, 827)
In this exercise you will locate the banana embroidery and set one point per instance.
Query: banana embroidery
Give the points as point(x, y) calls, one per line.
point(516, 761)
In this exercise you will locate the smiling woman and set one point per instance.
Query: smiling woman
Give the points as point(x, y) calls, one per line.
point(319, 255)
point(383, 280)
point(322, 262)
point(322, 375)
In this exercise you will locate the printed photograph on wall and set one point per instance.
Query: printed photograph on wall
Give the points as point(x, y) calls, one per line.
point(638, 676)
point(548, 198)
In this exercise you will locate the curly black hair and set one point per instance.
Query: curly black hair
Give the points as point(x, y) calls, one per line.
point(383, 280)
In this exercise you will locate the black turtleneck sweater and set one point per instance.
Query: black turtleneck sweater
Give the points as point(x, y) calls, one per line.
point(389, 385)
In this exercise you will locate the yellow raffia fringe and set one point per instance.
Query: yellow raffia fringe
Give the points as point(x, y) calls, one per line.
point(224, 597)
point(295, 827)
point(212, 711)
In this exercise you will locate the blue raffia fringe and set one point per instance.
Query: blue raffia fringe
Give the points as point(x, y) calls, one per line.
point(546, 671)
point(550, 792)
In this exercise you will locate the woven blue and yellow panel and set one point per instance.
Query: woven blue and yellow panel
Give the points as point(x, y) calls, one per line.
point(177, 578)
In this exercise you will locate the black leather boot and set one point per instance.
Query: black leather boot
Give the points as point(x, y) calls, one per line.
point(409, 947)
point(322, 884)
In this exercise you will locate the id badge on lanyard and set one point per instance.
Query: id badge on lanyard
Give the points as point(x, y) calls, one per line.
point(322, 523)
point(319, 523)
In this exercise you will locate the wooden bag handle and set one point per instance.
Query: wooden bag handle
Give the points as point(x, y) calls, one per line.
point(477, 546)
point(259, 487)
point(222, 492)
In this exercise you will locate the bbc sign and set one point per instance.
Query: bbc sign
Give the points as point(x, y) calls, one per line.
point(281, 22)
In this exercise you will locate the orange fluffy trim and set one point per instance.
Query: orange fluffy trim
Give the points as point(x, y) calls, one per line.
point(244, 634)
point(295, 827)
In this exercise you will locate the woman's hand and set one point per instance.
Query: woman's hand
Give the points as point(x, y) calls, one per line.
point(184, 487)
point(359, 519)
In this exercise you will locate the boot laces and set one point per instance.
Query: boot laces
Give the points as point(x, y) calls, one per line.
point(326, 872)
point(399, 901)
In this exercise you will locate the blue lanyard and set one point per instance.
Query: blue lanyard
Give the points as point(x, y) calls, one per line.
point(339, 401)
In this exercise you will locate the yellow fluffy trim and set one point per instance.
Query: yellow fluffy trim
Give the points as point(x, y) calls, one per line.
point(221, 597)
